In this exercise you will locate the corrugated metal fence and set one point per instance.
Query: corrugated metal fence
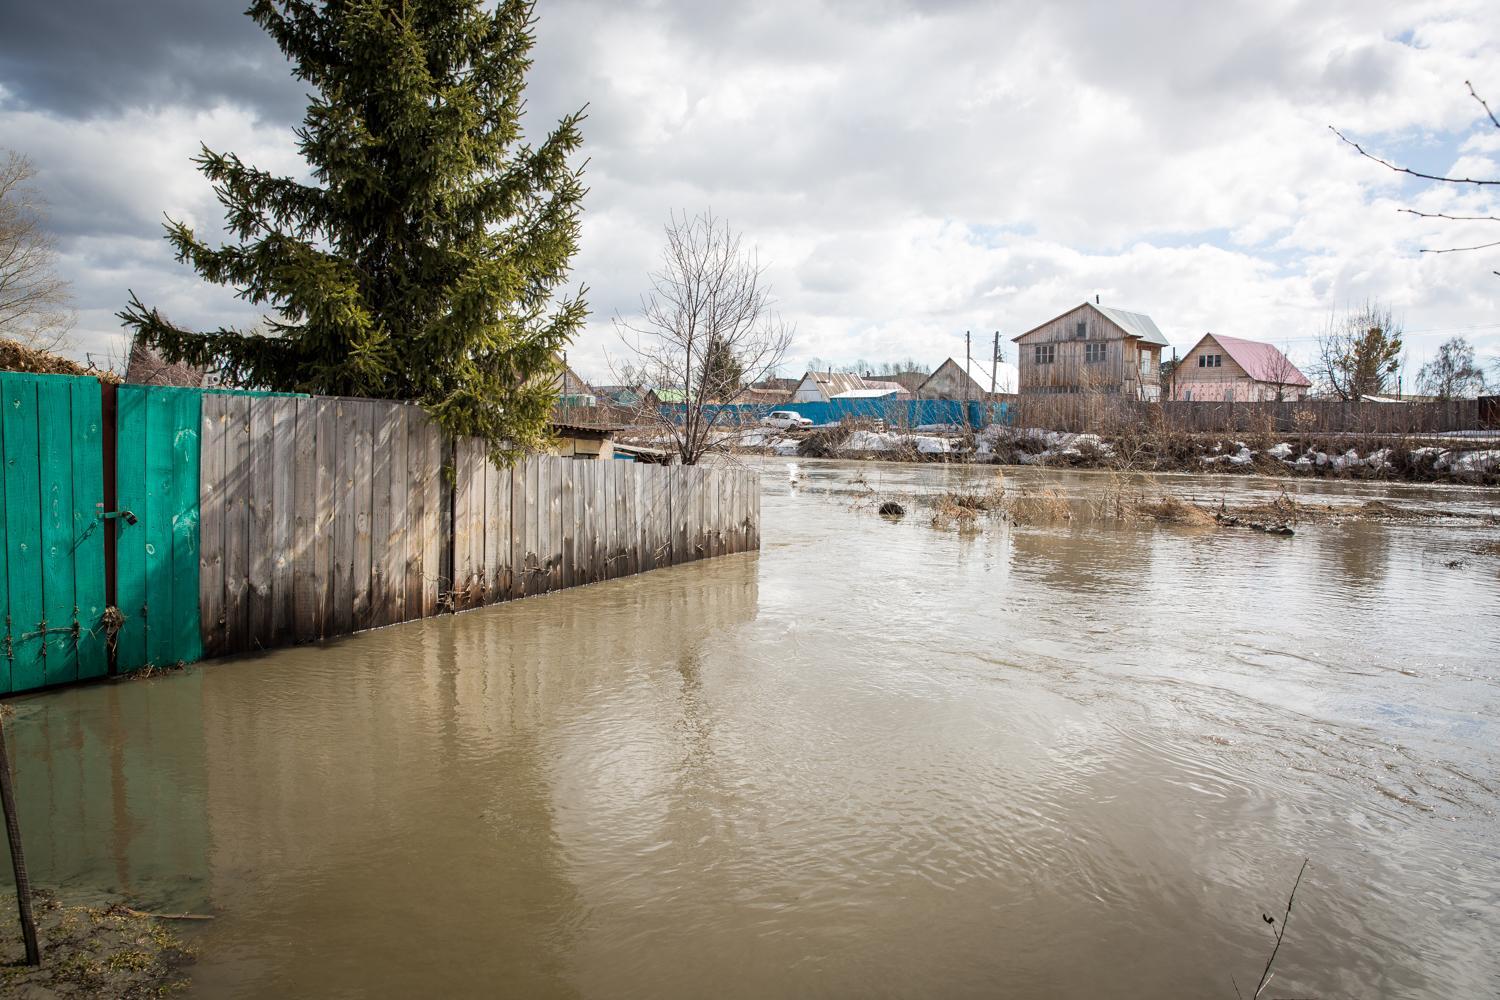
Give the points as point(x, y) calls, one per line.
point(217, 522)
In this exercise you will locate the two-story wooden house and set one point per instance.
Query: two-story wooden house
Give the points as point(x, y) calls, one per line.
point(1093, 348)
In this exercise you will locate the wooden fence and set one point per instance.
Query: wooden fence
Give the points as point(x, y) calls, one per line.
point(1112, 414)
point(322, 516)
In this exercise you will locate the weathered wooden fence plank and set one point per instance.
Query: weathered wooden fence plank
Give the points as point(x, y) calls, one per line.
point(384, 418)
point(88, 531)
point(236, 524)
point(283, 541)
point(328, 489)
point(260, 502)
point(416, 452)
point(567, 502)
point(361, 499)
point(305, 522)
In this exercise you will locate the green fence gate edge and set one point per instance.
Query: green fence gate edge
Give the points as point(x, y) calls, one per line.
point(51, 532)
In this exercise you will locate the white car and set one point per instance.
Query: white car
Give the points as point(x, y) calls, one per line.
point(785, 419)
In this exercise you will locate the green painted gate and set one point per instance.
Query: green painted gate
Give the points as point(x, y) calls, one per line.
point(156, 556)
point(52, 549)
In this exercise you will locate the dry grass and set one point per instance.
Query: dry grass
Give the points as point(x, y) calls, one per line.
point(16, 357)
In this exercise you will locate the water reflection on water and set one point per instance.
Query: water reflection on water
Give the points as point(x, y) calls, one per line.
point(875, 760)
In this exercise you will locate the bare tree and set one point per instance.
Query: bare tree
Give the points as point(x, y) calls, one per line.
point(1359, 351)
point(1286, 379)
point(1461, 182)
point(706, 331)
point(33, 299)
point(1454, 373)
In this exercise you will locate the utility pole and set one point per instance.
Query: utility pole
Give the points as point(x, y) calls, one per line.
point(17, 859)
point(968, 360)
point(995, 363)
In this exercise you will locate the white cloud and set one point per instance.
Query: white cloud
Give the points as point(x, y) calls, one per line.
point(910, 171)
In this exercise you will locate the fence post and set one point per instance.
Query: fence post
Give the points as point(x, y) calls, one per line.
point(17, 856)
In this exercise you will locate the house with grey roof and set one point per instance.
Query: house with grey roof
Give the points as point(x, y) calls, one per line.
point(1092, 348)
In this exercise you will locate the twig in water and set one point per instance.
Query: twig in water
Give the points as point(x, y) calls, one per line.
point(1266, 973)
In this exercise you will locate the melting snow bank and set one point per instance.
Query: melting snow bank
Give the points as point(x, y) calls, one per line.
point(1390, 458)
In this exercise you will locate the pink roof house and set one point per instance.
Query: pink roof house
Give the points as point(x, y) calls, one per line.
point(1228, 369)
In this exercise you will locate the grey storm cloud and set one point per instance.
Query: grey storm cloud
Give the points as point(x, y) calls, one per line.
point(86, 60)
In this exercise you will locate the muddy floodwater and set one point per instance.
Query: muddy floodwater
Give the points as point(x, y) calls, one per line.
point(876, 759)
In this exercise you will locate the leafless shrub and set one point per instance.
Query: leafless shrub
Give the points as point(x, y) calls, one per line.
point(706, 331)
point(34, 309)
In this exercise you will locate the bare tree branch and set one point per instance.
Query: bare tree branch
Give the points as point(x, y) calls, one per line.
point(1486, 107)
point(1455, 218)
point(705, 332)
point(1406, 170)
point(34, 308)
point(1482, 246)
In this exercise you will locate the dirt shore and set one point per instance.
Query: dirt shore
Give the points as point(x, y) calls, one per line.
point(106, 951)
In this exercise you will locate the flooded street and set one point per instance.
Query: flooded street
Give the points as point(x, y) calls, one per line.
point(875, 760)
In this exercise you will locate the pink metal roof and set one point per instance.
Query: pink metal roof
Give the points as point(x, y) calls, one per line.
point(1262, 362)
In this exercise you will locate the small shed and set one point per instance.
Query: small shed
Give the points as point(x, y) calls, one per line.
point(583, 440)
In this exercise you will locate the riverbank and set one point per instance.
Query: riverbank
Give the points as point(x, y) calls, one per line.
point(104, 951)
point(1438, 458)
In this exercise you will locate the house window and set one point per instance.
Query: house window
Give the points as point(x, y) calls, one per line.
point(1188, 395)
point(1093, 354)
point(1145, 364)
point(1044, 354)
point(1081, 331)
point(1210, 361)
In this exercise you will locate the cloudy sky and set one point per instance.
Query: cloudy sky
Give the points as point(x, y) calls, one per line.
point(908, 170)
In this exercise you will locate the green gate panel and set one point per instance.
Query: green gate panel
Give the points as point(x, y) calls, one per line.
point(156, 564)
point(53, 565)
point(187, 635)
point(130, 539)
point(88, 527)
point(54, 411)
point(23, 531)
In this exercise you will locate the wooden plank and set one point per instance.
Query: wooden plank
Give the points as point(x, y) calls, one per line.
point(260, 505)
point(556, 469)
point(160, 594)
point(398, 471)
point(362, 507)
point(433, 495)
point(327, 447)
point(536, 526)
point(382, 430)
point(504, 582)
point(533, 526)
point(479, 487)
point(87, 442)
point(567, 523)
point(416, 448)
point(586, 486)
point(463, 552)
point(213, 433)
point(517, 586)
point(346, 427)
point(23, 528)
point(237, 522)
point(306, 585)
point(55, 469)
point(282, 412)
point(186, 514)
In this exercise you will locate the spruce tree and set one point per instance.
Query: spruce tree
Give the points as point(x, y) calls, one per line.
point(423, 259)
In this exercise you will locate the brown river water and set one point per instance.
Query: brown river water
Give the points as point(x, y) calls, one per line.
point(876, 759)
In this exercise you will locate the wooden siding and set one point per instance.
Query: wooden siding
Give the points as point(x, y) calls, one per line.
point(1227, 383)
point(1120, 372)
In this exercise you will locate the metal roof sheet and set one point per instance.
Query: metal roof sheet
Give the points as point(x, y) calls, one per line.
point(1136, 324)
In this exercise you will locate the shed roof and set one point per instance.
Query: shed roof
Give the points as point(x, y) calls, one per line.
point(1136, 324)
point(1262, 362)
